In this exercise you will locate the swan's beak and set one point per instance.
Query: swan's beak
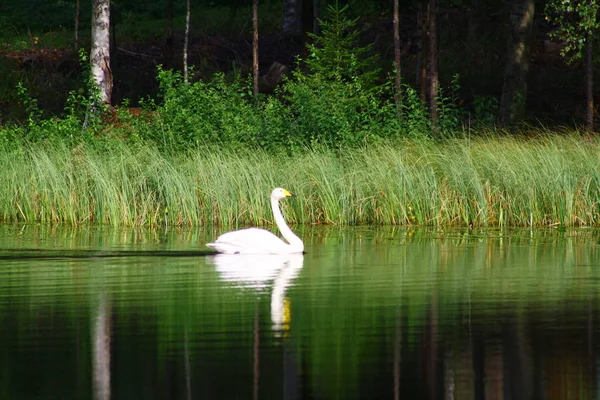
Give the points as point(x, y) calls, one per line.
point(287, 193)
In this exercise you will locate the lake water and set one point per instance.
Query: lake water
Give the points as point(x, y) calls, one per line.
point(366, 313)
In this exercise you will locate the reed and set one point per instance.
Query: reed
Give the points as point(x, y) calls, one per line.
point(492, 181)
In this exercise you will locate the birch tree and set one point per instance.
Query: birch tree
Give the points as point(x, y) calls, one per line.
point(100, 54)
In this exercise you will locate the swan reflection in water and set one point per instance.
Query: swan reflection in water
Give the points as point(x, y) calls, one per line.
point(258, 271)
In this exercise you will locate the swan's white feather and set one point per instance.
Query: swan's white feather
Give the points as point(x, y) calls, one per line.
point(249, 241)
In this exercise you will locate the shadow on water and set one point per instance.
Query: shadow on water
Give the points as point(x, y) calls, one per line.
point(46, 254)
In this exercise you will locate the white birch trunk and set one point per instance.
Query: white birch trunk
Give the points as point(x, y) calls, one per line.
point(100, 55)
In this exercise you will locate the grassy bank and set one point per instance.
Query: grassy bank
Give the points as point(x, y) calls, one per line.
point(492, 181)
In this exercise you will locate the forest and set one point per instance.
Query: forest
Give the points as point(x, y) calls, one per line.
point(481, 51)
point(469, 87)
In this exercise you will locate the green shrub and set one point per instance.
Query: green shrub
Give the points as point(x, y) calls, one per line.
point(485, 109)
point(214, 112)
point(335, 113)
point(449, 114)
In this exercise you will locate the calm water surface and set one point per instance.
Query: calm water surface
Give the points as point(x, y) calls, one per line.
point(365, 314)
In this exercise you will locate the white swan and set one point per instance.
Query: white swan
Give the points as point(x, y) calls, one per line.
point(261, 241)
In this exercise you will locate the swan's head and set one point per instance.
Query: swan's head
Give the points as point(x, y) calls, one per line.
point(281, 193)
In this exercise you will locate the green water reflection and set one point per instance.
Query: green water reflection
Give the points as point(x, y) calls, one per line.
point(365, 313)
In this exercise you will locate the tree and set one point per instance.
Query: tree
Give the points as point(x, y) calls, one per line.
point(255, 70)
point(316, 13)
point(292, 18)
point(186, 40)
point(335, 53)
point(434, 81)
point(475, 16)
point(423, 25)
point(100, 54)
point(514, 88)
point(77, 14)
point(398, 87)
point(576, 23)
point(169, 35)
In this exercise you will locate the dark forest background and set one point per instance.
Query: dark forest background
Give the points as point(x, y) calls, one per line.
point(38, 49)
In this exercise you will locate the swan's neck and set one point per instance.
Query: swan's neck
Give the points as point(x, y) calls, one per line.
point(294, 241)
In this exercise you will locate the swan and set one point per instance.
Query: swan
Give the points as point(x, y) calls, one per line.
point(261, 241)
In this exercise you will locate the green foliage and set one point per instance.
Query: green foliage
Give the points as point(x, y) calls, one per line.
point(195, 113)
point(576, 22)
point(78, 123)
point(38, 15)
point(336, 54)
point(31, 108)
point(415, 116)
point(449, 114)
point(336, 113)
point(485, 109)
point(336, 102)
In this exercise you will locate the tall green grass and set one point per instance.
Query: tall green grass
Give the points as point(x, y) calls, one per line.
point(493, 181)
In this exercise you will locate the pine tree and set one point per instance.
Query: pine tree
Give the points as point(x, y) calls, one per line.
point(335, 53)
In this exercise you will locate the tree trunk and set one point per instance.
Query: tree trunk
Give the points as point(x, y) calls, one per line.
point(186, 40)
point(474, 19)
point(292, 18)
point(169, 36)
point(100, 54)
point(255, 46)
point(514, 88)
point(433, 64)
point(422, 56)
point(316, 29)
point(589, 84)
point(77, 14)
point(398, 93)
